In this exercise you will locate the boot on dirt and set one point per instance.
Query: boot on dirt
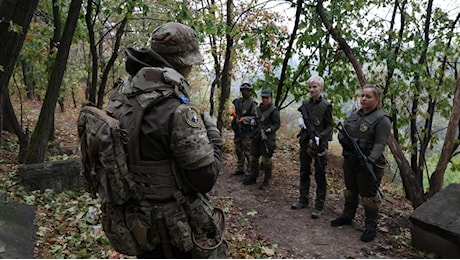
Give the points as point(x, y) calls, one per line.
point(368, 235)
point(264, 185)
point(316, 213)
point(299, 205)
point(248, 180)
point(340, 221)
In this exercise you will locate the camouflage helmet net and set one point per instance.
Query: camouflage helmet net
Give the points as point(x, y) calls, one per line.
point(177, 44)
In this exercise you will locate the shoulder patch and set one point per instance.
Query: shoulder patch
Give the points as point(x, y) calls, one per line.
point(192, 117)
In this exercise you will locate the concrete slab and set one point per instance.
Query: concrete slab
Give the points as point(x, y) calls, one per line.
point(436, 223)
point(17, 229)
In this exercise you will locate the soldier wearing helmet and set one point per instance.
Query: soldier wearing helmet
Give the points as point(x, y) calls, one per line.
point(263, 144)
point(243, 112)
point(174, 156)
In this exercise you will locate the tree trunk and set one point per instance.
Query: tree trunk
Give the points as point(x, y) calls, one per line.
point(109, 65)
point(216, 82)
point(227, 70)
point(287, 55)
point(28, 70)
point(92, 86)
point(437, 178)
point(414, 191)
point(23, 136)
point(342, 43)
point(39, 140)
point(16, 16)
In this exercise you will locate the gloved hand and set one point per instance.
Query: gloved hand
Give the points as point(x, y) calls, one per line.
point(317, 139)
point(253, 122)
point(302, 123)
point(211, 126)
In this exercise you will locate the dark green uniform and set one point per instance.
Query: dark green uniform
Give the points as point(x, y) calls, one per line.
point(266, 118)
point(246, 110)
point(320, 116)
point(371, 131)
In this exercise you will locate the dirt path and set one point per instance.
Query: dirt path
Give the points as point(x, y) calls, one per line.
point(294, 231)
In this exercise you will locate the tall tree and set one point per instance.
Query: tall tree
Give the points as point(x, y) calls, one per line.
point(15, 17)
point(39, 139)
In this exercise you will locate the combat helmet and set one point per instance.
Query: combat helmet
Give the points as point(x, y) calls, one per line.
point(177, 44)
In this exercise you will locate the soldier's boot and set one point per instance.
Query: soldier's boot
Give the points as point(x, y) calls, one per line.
point(251, 178)
point(321, 188)
point(349, 211)
point(371, 208)
point(267, 166)
point(304, 190)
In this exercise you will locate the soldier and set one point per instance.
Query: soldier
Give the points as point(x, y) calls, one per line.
point(316, 132)
point(243, 112)
point(370, 127)
point(266, 123)
point(176, 159)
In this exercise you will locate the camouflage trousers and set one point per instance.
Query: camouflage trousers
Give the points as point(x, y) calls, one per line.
point(242, 143)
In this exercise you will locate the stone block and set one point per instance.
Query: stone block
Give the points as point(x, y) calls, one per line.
point(17, 230)
point(436, 223)
point(56, 175)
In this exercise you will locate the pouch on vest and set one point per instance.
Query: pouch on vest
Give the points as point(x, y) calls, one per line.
point(116, 230)
point(208, 225)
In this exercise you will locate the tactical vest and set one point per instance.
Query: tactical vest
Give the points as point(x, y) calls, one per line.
point(263, 117)
point(362, 128)
point(263, 121)
point(317, 114)
point(153, 179)
point(161, 192)
point(244, 107)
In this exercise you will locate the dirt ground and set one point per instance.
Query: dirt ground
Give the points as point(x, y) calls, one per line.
point(296, 234)
point(266, 217)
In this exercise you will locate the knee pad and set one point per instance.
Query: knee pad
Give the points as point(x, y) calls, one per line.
point(350, 196)
point(370, 203)
point(267, 161)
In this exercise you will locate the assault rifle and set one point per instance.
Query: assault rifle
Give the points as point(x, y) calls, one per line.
point(264, 138)
point(363, 160)
point(308, 135)
point(258, 130)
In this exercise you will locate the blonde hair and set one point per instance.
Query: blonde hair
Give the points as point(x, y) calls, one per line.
point(377, 92)
point(316, 79)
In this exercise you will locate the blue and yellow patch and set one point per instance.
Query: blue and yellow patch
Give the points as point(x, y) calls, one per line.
point(192, 117)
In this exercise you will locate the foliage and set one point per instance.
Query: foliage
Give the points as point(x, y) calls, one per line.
point(391, 55)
